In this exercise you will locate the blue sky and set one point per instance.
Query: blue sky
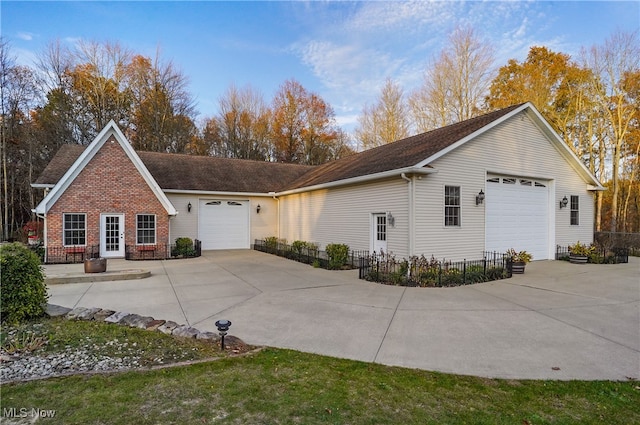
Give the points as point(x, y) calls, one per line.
point(340, 50)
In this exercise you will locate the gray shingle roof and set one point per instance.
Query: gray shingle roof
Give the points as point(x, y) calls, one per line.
point(190, 172)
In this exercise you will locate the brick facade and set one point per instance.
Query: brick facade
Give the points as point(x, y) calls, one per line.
point(110, 183)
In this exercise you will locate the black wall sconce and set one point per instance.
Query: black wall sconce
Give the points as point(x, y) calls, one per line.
point(564, 202)
point(258, 208)
point(480, 197)
point(189, 207)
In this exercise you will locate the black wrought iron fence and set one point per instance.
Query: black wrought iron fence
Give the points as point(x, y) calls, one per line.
point(163, 251)
point(597, 254)
point(307, 253)
point(609, 240)
point(427, 272)
point(77, 254)
point(67, 254)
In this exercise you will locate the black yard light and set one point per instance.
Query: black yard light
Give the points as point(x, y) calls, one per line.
point(223, 327)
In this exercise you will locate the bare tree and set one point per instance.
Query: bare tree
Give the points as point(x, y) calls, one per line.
point(612, 63)
point(455, 83)
point(385, 121)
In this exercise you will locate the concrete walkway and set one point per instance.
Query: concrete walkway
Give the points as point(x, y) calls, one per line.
point(557, 321)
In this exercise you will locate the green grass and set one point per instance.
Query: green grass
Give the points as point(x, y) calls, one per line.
point(275, 386)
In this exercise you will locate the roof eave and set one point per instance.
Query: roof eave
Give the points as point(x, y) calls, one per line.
point(216, 193)
point(361, 179)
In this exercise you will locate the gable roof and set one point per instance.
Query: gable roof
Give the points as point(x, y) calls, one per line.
point(189, 173)
point(110, 132)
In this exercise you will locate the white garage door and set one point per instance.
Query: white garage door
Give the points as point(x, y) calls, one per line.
point(517, 215)
point(223, 224)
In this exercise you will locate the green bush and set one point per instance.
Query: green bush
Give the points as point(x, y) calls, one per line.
point(184, 247)
point(271, 243)
point(23, 292)
point(338, 255)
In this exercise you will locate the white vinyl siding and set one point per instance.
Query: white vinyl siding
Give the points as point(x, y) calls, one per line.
point(344, 215)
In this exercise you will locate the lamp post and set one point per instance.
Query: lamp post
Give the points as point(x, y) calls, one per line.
point(223, 327)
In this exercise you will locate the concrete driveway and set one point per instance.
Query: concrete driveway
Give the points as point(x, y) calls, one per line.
point(557, 321)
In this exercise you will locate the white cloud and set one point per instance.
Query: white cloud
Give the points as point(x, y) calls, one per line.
point(26, 36)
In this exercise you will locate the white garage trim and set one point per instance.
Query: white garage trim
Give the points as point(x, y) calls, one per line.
point(224, 223)
point(519, 215)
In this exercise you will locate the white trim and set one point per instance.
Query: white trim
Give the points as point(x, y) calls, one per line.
point(218, 193)
point(87, 155)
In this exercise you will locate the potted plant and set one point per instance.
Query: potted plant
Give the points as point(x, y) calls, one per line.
point(519, 260)
point(579, 253)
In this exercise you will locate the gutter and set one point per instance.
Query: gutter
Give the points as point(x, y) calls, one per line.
point(362, 179)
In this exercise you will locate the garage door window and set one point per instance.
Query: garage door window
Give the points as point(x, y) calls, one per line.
point(575, 210)
point(452, 205)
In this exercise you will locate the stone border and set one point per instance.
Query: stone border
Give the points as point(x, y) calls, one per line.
point(136, 321)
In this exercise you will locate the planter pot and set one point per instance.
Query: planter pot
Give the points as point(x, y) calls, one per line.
point(518, 267)
point(95, 265)
point(578, 259)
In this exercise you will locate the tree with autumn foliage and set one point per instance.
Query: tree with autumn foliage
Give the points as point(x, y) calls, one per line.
point(303, 127)
point(241, 129)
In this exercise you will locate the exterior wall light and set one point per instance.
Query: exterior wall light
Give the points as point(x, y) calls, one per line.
point(480, 197)
point(391, 219)
point(223, 327)
point(258, 209)
point(564, 202)
point(189, 207)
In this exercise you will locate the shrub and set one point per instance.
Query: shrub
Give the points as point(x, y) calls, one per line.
point(22, 290)
point(184, 247)
point(338, 255)
point(271, 243)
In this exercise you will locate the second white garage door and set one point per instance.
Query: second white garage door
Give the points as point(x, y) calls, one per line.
point(224, 224)
point(517, 215)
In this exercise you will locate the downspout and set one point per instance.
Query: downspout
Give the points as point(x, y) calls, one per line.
point(273, 195)
point(44, 236)
point(411, 213)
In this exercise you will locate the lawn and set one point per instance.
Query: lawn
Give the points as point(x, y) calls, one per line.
point(275, 386)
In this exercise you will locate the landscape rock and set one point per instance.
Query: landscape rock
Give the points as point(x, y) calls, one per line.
point(168, 327)
point(128, 320)
point(155, 324)
point(116, 317)
point(101, 315)
point(53, 310)
point(88, 313)
point(73, 314)
point(185, 331)
point(211, 336)
point(141, 322)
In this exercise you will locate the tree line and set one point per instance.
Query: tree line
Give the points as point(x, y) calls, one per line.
point(70, 94)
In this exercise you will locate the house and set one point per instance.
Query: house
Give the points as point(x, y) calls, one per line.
point(500, 180)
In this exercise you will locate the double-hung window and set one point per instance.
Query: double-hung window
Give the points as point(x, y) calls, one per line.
point(74, 229)
point(452, 205)
point(575, 210)
point(145, 229)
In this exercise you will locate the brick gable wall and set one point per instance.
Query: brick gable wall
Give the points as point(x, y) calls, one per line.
point(110, 183)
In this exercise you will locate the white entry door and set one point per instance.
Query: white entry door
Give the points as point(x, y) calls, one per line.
point(379, 232)
point(111, 235)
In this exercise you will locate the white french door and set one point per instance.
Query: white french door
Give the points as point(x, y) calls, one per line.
point(112, 235)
